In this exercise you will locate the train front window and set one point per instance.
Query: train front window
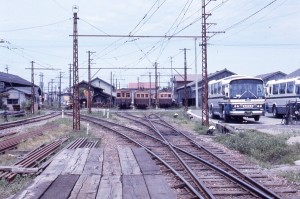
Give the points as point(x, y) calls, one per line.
point(123, 94)
point(246, 89)
point(127, 94)
point(118, 94)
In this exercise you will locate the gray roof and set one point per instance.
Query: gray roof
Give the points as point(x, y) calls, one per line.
point(26, 90)
point(267, 75)
point(13, 79)
point(210, 76)
point(296, 73)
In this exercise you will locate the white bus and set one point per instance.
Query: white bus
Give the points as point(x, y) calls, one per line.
point(236, 97)
point(279, 93)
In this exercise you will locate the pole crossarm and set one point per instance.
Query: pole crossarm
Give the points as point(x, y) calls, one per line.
point(132, 68)
point(141, 36)
point(45, 68)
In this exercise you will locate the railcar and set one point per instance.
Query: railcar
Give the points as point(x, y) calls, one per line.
point(123, 99)
point(165, 99)
point(142, 99)
point(236, 96)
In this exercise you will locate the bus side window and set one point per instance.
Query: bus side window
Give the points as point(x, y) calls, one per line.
point(297, 89)
point(219, 88)
point(275, 89)
point(215, 89)
point(282, 88)
point(223, 89)
point(290, 87)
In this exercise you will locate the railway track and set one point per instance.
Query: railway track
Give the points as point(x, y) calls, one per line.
point(220, 179)
point(36, 158)
point(27, 121)
point(12, 142)
point(193, 169)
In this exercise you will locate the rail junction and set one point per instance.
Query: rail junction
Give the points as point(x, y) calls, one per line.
point(150, 159)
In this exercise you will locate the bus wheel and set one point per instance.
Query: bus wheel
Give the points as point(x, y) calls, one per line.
point(226, 117)
point(274, 111)
point(256, 118)
point(211, 113)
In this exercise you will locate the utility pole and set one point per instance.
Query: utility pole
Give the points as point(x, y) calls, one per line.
point(89, 100)
point(196, 79)
point(111, 88)
point(48, 96)
point(172, 79)
point(70, 79)
point(51, 92)
point(185, 81)
point(42, 84)
point(156, 100)
point(150, 89)
point(6, 68)
point(32, 87)
point(59, 88)
point(138, 86)
point(76, 111)
point(205, 118)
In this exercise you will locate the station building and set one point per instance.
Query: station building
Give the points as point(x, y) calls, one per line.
point(15, 93)
point(191, 86)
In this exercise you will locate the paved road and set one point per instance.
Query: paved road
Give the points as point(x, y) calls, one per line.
point(266, 124)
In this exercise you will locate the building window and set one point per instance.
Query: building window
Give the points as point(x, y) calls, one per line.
point(12, 101)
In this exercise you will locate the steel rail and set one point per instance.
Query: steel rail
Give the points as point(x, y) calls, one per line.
point(246, 185)
point(148, 150)
point(126, 127)
point(28, 121)
point(36, 156)
point(200, 184)
point(14, 141)
point(243, 176)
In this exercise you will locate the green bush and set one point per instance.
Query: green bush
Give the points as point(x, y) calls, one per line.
point(262, 147)
point(199, 128)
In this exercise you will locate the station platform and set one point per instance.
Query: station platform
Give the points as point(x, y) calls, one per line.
point(77, 173)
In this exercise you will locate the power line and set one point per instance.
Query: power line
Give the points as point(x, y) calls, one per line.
point(38, 26)
point(248, 17)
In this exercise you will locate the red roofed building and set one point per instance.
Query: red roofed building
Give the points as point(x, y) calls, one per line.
point(141, 85)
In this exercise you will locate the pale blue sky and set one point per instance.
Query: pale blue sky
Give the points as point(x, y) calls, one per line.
point(39, 31)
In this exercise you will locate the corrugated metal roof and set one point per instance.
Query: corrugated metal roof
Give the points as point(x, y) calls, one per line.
point(296, 73)
point(267, 75)
point(26, 90)
point(14, 79)
point(145, 85)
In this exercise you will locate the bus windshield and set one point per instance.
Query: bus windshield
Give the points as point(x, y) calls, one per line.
point(246, 89)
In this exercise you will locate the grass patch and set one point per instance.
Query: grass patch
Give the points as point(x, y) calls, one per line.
point(291, 176)
point(199, 128)
point(262, 147)
point(10, 188)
